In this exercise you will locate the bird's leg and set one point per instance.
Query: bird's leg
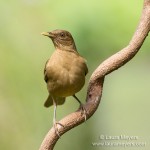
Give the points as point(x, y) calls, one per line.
point(54, 118)
point(81, 106)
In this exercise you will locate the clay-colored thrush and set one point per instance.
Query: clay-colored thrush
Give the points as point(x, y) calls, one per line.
point(64, 72)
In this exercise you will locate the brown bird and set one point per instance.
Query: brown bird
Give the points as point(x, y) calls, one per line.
point(64, 72)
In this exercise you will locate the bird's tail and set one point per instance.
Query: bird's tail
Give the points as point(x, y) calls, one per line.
point(49, 101)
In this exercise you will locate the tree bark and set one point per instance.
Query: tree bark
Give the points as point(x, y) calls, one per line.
point(96, 81)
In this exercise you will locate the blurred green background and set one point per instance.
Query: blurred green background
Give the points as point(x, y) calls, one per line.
point(100, 28)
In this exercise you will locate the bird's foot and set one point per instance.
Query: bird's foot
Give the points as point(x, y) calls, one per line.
point(55, 127)
point(84, 112)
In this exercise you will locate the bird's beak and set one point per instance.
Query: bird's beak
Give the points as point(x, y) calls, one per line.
point(49, 34)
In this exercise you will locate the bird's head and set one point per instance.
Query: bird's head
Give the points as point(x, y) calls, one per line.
point(62, 39)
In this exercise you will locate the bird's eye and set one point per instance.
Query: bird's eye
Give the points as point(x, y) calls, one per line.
point(62, 34)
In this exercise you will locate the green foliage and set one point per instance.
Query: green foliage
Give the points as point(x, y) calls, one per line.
point(100, 28)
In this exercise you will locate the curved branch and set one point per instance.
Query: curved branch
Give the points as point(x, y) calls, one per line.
point(95, 86)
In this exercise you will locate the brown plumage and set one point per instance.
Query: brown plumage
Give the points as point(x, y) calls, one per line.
point(65, 71)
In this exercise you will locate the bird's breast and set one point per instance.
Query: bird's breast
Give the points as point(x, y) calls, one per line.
point(66, 73)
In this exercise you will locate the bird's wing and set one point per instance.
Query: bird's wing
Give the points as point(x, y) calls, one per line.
point(45, 73)
point(85, 66)
point(86, 69)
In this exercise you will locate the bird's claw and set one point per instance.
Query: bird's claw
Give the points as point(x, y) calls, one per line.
point(84, 112)
point(56, 129)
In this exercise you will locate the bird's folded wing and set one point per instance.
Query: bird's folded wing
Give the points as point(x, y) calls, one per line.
point(45, 74)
